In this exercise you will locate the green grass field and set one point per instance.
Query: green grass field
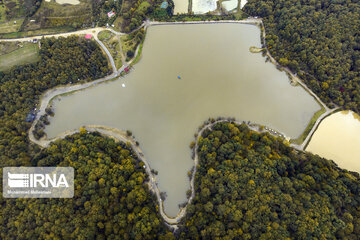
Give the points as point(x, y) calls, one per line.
point(10, 26)
point(8, 47)
point(52, 14)
point(104, 35)
point(28, 53)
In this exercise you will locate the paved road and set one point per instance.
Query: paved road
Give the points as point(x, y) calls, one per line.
point(111, 59)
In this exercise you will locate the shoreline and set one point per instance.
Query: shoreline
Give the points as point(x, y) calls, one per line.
point(48, 96)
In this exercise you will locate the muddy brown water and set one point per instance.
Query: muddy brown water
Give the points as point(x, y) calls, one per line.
point(218, 77)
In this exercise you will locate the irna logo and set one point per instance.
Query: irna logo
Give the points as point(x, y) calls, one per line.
point(38, 182)
point(17, 180)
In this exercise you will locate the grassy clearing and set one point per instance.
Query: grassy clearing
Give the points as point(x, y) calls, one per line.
point(8, 47)
point(307, 130)
point(28, 53)
point(11, 26)
point(51, 14)
point(118, 23)
point(104, 35)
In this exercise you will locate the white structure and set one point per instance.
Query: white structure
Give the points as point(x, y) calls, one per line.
point(203, 6)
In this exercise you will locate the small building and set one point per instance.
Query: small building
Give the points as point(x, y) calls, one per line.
point(88, 36)
point(164, 4)
point(111, 14)
point(126, 69)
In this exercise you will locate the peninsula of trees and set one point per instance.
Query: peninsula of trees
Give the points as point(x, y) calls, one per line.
point(318, 40)
point(254, 186)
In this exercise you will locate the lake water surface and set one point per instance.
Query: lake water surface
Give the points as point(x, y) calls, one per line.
point(338, 138)
point(219, 77)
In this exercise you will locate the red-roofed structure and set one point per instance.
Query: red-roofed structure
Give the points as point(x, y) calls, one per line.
point(111, 14)
point(88, 36)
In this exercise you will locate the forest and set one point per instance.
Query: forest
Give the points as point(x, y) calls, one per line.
point(62, 61)
point(248, 185)
point(111, 200)
point(254, 186)
point(318, 40)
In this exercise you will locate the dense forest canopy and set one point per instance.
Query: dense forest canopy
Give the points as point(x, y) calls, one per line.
point(253, 186)
point(248, 185)
point(62, 61)
point(319, 40)
point(111, 200)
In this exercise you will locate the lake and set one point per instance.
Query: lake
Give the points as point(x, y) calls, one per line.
point(218, 77)
point(338, 138)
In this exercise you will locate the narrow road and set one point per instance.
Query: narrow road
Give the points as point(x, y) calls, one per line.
point(111, 59)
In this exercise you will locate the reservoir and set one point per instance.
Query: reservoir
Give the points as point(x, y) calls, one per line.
point(187, 74)
point(338, 138)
